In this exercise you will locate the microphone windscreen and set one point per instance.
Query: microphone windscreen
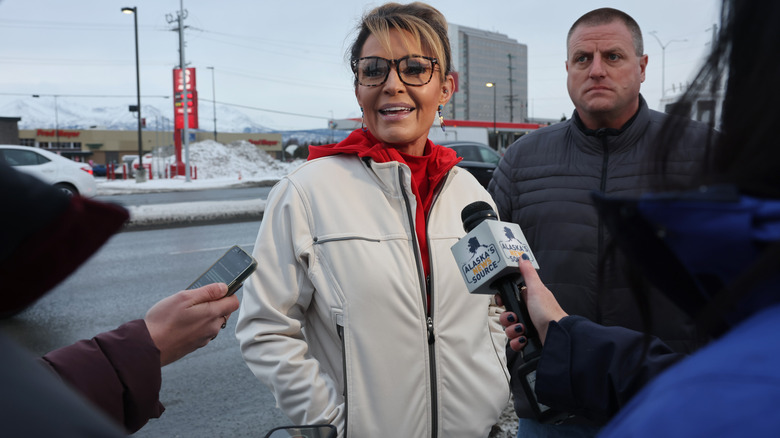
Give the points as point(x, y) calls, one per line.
point(476, 212)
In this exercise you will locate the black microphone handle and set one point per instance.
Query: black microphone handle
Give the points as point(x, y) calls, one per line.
point(531, 353)
point(510, 296)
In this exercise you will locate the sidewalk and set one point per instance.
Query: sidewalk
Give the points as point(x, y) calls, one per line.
point(153, 216)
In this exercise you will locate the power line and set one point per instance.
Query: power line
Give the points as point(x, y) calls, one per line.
point(237, 105)
point(266, 109)
point(31, 24)
point(79, 95)
point(75, 62)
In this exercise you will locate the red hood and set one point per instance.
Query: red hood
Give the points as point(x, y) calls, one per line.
point(363, 144)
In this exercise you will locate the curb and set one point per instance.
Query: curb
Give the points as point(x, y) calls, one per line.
point(109, 189)
point(146, 217)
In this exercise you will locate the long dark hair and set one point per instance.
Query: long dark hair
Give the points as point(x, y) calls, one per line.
point(747, 151)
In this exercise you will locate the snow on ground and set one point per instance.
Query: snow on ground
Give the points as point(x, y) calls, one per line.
point(156, 215)
point(218, 165)
point(215, 160)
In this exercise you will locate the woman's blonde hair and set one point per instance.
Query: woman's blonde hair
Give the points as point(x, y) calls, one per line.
point(425, 23)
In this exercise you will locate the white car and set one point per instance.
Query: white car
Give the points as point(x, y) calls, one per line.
point(69, 176)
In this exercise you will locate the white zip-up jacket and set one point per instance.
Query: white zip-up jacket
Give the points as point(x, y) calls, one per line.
point(334, 319)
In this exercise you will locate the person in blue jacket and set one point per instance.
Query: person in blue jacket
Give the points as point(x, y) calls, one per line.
point(714, 250)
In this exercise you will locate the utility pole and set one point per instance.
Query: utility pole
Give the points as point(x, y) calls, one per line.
point(183, 67)
point(715, 80)
point(511, 95)
point(180, 16)
point(214, 101)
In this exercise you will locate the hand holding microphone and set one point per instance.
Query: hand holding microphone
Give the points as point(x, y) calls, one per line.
point(489, 257)
point(542, 307)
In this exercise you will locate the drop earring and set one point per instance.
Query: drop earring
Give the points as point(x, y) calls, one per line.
point(441, 118)
point(362, 120)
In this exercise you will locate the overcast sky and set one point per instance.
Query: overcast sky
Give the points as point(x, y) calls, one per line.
point(276, 57)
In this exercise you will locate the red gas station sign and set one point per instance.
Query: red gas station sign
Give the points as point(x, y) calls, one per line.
point(179, 89)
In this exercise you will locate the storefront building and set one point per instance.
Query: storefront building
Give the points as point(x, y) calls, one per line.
point(104, 146)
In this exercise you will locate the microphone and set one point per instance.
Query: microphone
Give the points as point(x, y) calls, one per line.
point(489, 258)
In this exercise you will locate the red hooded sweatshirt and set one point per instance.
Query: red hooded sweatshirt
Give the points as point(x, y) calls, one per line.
point(427, 171)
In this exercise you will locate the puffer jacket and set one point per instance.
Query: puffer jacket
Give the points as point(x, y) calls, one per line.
point(544, 183)
point(334, 319)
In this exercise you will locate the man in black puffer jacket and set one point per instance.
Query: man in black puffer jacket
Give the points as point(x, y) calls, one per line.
point(545, 181)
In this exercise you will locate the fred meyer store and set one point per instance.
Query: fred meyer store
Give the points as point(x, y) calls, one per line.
point(104, 146)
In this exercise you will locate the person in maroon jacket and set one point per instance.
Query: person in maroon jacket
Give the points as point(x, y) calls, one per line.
point(117, 371)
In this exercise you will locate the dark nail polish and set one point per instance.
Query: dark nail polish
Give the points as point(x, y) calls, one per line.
point(522, 339)
point(510, 318)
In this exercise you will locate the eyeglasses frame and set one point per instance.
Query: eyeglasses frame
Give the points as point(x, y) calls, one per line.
point(396, 62)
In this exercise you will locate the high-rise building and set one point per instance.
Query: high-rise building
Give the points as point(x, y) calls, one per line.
point(480, 57)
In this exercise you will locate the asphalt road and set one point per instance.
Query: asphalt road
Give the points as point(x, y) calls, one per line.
point(211, 392)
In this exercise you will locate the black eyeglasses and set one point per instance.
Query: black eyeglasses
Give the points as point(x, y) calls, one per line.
point(413, 70)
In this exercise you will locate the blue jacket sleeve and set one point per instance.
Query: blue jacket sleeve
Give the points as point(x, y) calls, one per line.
point(592, 370)
point(118, 371)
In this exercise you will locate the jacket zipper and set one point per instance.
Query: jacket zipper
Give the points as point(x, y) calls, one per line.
point(340, 330)
point(602, 134)
point(429, 319)
point(317, 240)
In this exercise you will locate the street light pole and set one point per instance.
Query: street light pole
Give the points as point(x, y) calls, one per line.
point(56, 122)
point(663, 60)
point(214, 101)
point(493, 86)
point(495, 131)
point(140, 176)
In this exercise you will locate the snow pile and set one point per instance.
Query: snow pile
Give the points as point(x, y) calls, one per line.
point(217, 160)
point(218, 165)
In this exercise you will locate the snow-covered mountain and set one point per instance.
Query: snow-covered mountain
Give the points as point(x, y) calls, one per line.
point(72, 114)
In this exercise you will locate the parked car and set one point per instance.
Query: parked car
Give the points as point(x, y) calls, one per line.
point(67, 175)
point(478, 158)
point(98, 170)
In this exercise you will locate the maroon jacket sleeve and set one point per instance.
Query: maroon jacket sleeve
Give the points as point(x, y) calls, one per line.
point(119, 371)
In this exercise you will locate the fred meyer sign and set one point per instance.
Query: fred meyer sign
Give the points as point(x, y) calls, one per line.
point(56, 133)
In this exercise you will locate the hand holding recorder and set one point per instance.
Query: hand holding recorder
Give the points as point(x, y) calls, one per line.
point(188, 320)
